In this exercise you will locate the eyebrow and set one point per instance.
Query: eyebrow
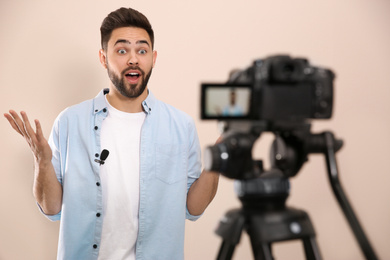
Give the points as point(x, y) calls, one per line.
point(128, 42)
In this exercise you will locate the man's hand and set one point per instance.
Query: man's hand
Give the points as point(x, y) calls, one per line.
point(203, 190)
point(47, 189)
point(37, 142)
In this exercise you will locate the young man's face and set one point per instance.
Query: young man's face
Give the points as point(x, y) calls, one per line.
point(129, 59)
point(232, 98)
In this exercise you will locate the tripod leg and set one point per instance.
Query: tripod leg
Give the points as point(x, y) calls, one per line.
point(312, 251)
point(262, 251)
point(342, 199)
point(226, 251)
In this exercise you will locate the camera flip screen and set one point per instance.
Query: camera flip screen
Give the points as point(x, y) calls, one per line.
point(220, 101)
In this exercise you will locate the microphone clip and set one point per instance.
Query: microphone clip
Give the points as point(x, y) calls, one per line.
point(103, 157)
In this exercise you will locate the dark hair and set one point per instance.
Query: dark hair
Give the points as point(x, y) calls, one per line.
point(124, 17)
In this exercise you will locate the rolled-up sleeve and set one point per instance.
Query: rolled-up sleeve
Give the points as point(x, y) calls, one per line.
point(194, 161)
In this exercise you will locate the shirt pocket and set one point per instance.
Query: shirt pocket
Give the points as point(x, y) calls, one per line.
point(170, 163)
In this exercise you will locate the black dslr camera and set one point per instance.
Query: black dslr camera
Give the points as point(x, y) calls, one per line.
point(272, 89)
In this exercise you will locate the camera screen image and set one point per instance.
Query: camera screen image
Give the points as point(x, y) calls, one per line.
point(221, 101)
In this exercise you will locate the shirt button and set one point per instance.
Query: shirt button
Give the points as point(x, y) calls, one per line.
point(98, 184)
point(104, 110)
point(96, 110)
point(97, 214)
point(96, 155)
point(96, 128)
point(95, 246)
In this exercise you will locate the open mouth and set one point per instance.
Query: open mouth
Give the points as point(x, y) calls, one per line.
point(133, 76)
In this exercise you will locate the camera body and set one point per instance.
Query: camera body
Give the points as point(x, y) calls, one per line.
point(277, 88)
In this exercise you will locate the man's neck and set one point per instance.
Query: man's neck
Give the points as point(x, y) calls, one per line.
point(125, 104)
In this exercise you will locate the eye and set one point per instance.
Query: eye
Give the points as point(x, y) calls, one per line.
point(122, 51)
point(142, 52)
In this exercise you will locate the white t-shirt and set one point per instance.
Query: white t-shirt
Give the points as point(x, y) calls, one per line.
point(120, 135)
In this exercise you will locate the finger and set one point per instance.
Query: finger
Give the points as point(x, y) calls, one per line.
point(18, 122)
point(219, 140)
point(38, 128)
point(28, 129)
point(12, 121)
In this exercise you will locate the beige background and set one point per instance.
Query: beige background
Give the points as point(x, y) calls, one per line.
point(49, 60)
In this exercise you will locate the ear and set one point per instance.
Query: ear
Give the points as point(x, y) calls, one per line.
point(154, 57)
point(103, 58)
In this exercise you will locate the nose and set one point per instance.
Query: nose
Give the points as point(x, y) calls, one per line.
point(133, 60)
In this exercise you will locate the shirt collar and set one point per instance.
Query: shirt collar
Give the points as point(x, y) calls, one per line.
point(149, 103)
point(100, 102)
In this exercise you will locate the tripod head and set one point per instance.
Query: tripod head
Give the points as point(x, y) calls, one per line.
point(289, 151)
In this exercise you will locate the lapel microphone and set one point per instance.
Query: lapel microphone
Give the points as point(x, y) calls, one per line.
point(103, 156)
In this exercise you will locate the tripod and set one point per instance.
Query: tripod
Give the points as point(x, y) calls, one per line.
point(267, 219)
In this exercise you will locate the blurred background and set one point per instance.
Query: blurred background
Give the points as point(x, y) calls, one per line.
point(49, 60)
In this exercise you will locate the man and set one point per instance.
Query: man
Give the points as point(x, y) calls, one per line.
point(131, 204)
point(232, 109)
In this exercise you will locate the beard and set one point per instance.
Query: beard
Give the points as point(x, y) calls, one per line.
point(126, 89)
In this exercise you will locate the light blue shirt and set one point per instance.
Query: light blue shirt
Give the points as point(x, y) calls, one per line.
point(169, 164)
point(234, 110)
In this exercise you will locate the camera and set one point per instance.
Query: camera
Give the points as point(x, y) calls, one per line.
point(277, 88)
point(279, 94)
